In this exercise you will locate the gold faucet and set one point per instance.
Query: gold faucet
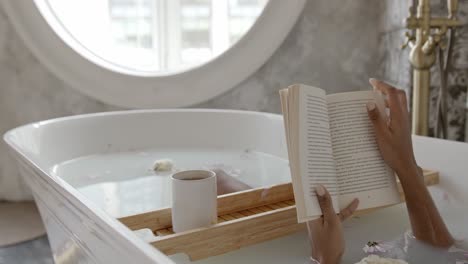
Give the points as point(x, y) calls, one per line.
point(426, 33)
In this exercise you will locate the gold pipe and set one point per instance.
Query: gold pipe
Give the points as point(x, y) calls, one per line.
point(413, 23)
point(427, 34)
point(421, 83)
point(422, 58)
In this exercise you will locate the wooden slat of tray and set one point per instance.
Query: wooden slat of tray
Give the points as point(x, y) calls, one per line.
point(228, 236)
point(245, 218)
point(229, 203)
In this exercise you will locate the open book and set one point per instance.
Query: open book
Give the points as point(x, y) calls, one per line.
point(331, 142)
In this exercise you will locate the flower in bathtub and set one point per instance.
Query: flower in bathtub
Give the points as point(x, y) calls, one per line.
point(374, 247)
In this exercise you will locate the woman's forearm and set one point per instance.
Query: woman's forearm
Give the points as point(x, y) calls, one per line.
point(426, 222)
point(393, 134)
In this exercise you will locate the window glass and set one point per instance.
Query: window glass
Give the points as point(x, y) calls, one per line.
point(159, 36)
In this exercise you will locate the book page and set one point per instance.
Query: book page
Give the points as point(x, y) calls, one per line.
point(291, 130)
point(361, 171)
point(317, 165)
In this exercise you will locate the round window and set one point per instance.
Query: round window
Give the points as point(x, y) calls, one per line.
point(153, 53)
point(156, 36)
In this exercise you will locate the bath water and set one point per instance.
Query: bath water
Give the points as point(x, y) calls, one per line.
point(125, 183)
point(389, 226)
point(408, 248)
point(391, 229)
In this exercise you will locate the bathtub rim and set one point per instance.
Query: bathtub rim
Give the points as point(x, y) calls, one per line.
point(7, 135)
point(111, 227)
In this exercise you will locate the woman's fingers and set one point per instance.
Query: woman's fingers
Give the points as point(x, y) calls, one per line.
point(378, 120)
point(396, 98)
point(325, 203)
point(384, 87)
point(384, 97)
point(403, 102)
point(349, 210)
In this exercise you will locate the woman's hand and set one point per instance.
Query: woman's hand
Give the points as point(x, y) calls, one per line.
point(393, 133)
point(326, 233)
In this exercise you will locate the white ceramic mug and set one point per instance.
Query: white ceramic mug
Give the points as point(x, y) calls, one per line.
point(194, 200)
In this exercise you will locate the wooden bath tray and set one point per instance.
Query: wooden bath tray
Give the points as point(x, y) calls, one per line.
point(245, 218)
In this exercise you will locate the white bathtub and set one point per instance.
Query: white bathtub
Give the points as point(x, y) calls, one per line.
point(80, 231)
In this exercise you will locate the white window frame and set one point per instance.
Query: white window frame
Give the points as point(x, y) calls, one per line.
point(116, 85)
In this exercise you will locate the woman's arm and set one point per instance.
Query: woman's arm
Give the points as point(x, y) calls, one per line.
point(393, 135)
point(426, 222)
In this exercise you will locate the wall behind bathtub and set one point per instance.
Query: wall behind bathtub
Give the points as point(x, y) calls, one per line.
point(394, 64)
point(333, 46)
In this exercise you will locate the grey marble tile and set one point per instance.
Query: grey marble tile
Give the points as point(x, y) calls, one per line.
point(334, 46)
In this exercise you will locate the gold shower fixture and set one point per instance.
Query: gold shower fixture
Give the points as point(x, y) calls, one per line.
point(426, 34)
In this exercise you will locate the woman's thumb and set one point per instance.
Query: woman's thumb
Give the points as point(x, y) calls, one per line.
point(325, 202)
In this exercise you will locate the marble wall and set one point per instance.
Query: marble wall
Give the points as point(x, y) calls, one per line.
point(457, 83)
point(334, 45)
point(394, 66)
